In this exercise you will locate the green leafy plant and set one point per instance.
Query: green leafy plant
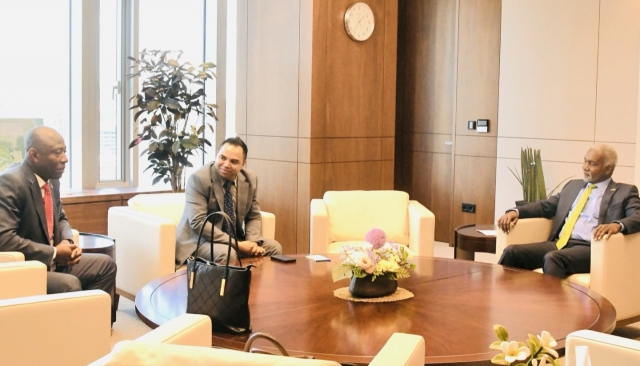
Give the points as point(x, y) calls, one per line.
point(531, 176)
point(536, 351)
point(171, 112)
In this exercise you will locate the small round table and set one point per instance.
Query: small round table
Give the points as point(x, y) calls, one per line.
point(468, 240)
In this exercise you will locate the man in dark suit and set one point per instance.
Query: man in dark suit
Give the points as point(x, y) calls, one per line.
point(609, 208)
point(33, 222)
point(221, 183)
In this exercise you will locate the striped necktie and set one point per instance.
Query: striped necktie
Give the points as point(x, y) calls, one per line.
point(48, 209)
point(565, 234)
point(229, 208)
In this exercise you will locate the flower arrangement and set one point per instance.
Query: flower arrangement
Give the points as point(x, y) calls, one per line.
point(376, 257)
point(537, 351)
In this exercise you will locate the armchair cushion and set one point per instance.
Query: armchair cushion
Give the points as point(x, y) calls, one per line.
point(353, 213)
point(167, 205)
point(600, 349)
point(344, 217)
point(20, 279)
point(72, 328)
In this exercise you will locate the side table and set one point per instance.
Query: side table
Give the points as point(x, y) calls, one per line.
point(102, 244)
point(468, 241)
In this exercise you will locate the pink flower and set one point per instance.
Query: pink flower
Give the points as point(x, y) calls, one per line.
point(376, 237)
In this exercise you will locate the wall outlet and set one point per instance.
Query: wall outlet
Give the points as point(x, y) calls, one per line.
point(469, 207)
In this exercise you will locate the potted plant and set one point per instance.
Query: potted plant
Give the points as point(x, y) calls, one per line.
point(531, 177)
point(171, 112)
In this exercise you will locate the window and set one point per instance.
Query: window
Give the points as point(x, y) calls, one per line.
point(67, 69)
point(34, 70)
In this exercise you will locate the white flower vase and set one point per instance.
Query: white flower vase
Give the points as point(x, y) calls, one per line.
point(365, 287)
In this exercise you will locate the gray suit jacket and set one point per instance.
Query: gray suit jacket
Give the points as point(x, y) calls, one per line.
point(23, 224)
point(619, 203)
point(204, 194)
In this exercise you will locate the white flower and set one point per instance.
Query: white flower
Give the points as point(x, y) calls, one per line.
point(547, 343)
point(366, 263)
point(512, 351)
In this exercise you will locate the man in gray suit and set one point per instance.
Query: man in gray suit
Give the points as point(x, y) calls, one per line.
point(33, 222)
point(205, 193)
point(610, 208)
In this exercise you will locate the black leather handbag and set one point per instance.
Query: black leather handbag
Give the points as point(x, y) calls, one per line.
point(220, 291)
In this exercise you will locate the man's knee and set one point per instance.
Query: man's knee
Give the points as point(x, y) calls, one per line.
point(508, 255)
point(271, 247)
point(553, 264)
point(62, 282)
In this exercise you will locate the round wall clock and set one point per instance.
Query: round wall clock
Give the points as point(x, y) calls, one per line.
point(359, 21)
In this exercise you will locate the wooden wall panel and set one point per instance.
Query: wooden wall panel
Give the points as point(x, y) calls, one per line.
point(474, 183)
point(448, 73)
point(277, 187)
point(478, 64)
point(432, 187)
point(343, 98)
point(90, 217)
point(354, 76)
point(425, 105)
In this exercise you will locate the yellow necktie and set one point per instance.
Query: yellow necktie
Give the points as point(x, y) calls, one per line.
point(565, 234)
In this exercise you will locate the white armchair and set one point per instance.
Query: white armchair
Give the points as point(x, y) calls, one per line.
point(586, 347)
point(71, 328)
point(145, 235)
point(614, 267)
point(344, 217)
point(186, 340)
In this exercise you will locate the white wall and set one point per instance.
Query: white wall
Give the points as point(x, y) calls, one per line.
point(569, 75)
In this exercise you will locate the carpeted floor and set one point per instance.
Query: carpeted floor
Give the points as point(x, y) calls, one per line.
point(128, 325)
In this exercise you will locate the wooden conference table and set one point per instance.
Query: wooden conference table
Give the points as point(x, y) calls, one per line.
point(456, 304)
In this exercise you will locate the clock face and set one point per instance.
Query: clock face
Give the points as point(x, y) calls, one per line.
point(359, 22)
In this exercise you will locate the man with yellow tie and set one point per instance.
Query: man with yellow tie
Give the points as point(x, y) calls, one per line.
point(594, 206)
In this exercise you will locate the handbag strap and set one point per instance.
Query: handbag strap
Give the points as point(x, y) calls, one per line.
point(258, 335)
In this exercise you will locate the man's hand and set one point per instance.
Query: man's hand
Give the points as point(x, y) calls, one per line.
point(507, 221)
point(250, 248)
point(604, 231)
point(67, 253)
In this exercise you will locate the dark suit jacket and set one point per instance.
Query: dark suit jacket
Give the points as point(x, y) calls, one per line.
point(23, 224)
point(619, 203)
point(204, 194)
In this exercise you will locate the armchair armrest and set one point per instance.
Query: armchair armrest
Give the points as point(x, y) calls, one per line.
point(187, 330)
point(614, 263)
point(601, 349)
point(319, 227)
point(268, 229)
point(20, 279)
point(11, 257)
point(145, 247)
point(422, 223)
point(401, 349)
point(525, 231)
point(72, 328)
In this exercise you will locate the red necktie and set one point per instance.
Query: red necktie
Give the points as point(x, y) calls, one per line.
point(48, 209)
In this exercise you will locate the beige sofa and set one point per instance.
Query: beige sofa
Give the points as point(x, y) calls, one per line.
point(586, 347)
point(614, 264)
point(344, 217)
point(186, 341)
point(145, 235)
point(72, 328)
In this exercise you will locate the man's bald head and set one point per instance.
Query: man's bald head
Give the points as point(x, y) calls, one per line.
point(45, 152)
